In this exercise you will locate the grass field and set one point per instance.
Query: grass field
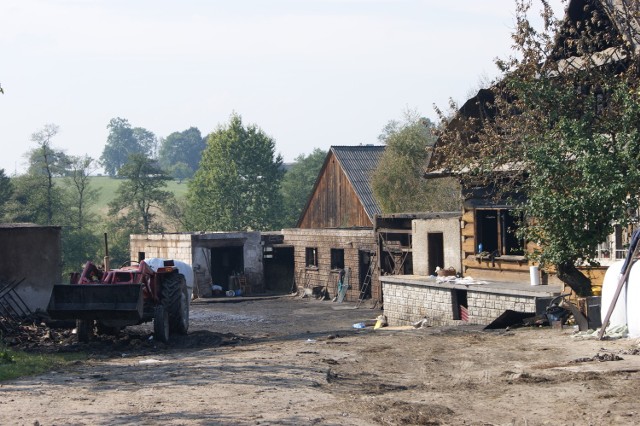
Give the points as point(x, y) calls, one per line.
point(108, 187)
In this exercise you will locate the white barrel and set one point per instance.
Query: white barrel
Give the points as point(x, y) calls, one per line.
point(534, 274)
point(609, 286)
point(633, 301)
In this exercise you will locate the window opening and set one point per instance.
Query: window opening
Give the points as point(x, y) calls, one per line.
point(311, 257)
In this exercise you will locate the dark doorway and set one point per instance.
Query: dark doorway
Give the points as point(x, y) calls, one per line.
point(278, 269)
point(459, 305)
point(226, 262)
point(435, 247)
point(366, 273)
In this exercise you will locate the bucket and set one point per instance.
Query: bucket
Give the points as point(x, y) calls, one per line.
point(534, 274)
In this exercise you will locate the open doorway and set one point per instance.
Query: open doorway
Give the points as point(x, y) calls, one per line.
point(366, 273)
point(279, 269)
point(435, 247)
point(226, 262)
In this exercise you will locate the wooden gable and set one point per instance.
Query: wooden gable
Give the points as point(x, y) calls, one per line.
point(334, 202)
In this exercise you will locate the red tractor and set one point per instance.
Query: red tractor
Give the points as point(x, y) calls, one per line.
point(117, 298)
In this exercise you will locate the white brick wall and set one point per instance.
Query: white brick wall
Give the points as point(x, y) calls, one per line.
point(407, 303)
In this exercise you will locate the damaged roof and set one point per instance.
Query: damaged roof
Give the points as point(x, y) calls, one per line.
point(622, 16)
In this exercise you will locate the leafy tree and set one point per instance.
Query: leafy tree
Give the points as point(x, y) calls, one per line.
point(6, 191)
point(397, 182)
point(180, 171)
point(140, 196)
point(81, 195)
point(237, 186)
point(297, 184)
point(559, 136)
point(123, 141)
point(80, 242)
point(36, 197)
point(182, 147)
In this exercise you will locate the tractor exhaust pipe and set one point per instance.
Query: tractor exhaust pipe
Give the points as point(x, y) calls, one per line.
point(106, 253)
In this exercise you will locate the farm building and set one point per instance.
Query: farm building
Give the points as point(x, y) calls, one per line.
point(30, 264)
point(251, 262)
point(335, 230)
point(491, 254)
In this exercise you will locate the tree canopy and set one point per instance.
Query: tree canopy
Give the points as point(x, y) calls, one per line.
point(237, 185)
point(397, 182)
point(122, 142)
point(180, 152)
point(6, 191)
point(298, 183)
point(558, 136)
point(140, 195)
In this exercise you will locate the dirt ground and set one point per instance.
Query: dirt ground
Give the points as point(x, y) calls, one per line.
point(297, 361)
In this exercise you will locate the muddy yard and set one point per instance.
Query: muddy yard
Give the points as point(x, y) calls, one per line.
point(297, 361)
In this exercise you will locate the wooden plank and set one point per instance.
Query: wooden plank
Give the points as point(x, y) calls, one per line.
point(469, 216)
point(468, 231)
point(468, 245)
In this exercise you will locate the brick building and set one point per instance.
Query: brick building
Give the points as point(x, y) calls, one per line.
point(335, 229)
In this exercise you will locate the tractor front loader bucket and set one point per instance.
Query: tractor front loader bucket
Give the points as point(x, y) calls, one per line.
point(122, 302)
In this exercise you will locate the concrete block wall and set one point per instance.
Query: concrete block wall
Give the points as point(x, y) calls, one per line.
point(485, 307)
point(166, 246)
point(351, 241)
point(407, 303)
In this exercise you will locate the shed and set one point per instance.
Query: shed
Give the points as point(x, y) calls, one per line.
point(335, 230)
point(31, 255)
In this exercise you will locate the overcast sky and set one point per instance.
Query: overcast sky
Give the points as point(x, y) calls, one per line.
point(310, 73)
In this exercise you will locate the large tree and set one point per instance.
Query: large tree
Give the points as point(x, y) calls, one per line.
point(397, 182)
point(80, 239)
point(140, 196)
point(182, 148)
point(298, 183)
point(124, 141)
point(37, 198)
point(6, 191)
point(559, 133)
point(237, 186)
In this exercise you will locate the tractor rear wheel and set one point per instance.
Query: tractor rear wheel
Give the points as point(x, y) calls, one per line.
point(182, 322)
point(84, 330)
point(176, 303)
point(161, 324)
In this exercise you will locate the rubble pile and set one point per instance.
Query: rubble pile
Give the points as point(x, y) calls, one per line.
point(32, 332)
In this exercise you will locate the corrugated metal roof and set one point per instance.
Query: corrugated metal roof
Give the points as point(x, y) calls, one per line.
point(358, 163)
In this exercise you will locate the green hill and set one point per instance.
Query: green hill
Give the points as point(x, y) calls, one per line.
point(108, 186)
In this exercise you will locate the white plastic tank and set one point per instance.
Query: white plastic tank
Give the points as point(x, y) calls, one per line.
point(633, 301)
point(183, 268)
point(609, 286)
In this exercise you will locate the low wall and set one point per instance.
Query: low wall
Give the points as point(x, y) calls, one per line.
point(408, 299)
